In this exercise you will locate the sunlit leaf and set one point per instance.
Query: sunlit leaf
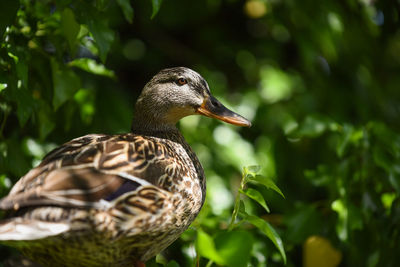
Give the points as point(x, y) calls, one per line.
point(156, 7)
point(33, 148)
point(14, 57)
point(91, 66)
point(3, 86)
point(126, 9)
point(5, 183)
point(267, 229)
point(206, 247)
point(341, 226)
point(255, 195)
point(267, 182)
point(387, 200)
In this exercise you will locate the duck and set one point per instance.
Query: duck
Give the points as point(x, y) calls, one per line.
point(117, 200)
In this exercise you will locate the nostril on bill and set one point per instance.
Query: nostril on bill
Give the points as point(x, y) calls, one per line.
point(215, 103)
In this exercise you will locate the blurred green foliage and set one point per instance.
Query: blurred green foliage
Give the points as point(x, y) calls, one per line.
point(319, 80)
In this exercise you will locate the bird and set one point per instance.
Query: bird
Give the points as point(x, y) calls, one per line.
point(117, 200)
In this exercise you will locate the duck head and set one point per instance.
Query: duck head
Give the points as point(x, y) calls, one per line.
point(175, 93)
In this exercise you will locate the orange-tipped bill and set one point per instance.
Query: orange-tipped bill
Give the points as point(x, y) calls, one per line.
point(212, 108)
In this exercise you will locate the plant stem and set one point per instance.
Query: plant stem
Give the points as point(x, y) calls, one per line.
point(237, 204)
point(210, 262)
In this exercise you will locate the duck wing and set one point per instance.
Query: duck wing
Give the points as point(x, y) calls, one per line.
point(91, 171)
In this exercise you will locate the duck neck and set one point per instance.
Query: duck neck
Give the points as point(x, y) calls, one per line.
point(157, 128)
point(148, 127)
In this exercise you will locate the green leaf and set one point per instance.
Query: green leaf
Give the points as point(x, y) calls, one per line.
point(156, 7)
point(302, 222)
point(232, 254)
point(8, 11)
point(394, 180)
point(349, 136)
point(46, 123)
point(70, 28)
point(267, 182)
point(102, 34)
point(382, 158)
point(25, 103)
point(255, 195)
point(14, 57)
point(102, 4)
point(251, 170)
point(314, 126)
point(268, 230)
point(319, 177)
point(16, 162)
point(22, 72)
point(172, 264)
point(126, 9)
point(66, 83)
point(3, 86)
point(341, 226)
point(4, 184)
point(206, 247)
point(225, 250)
point(85, 99)
point(91, 66)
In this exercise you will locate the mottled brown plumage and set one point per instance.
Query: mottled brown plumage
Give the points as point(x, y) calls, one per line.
point(112, 200)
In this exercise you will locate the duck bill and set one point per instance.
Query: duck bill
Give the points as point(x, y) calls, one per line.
point(212, 108)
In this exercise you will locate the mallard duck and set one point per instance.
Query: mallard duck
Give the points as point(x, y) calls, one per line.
point(116, 200)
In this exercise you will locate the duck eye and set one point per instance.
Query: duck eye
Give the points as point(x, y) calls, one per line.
point(182, 81)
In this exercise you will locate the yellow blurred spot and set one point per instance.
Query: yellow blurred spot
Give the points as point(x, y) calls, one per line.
point(255, 9)
point(318, 251)
point(32, 44)
point(25, 29)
